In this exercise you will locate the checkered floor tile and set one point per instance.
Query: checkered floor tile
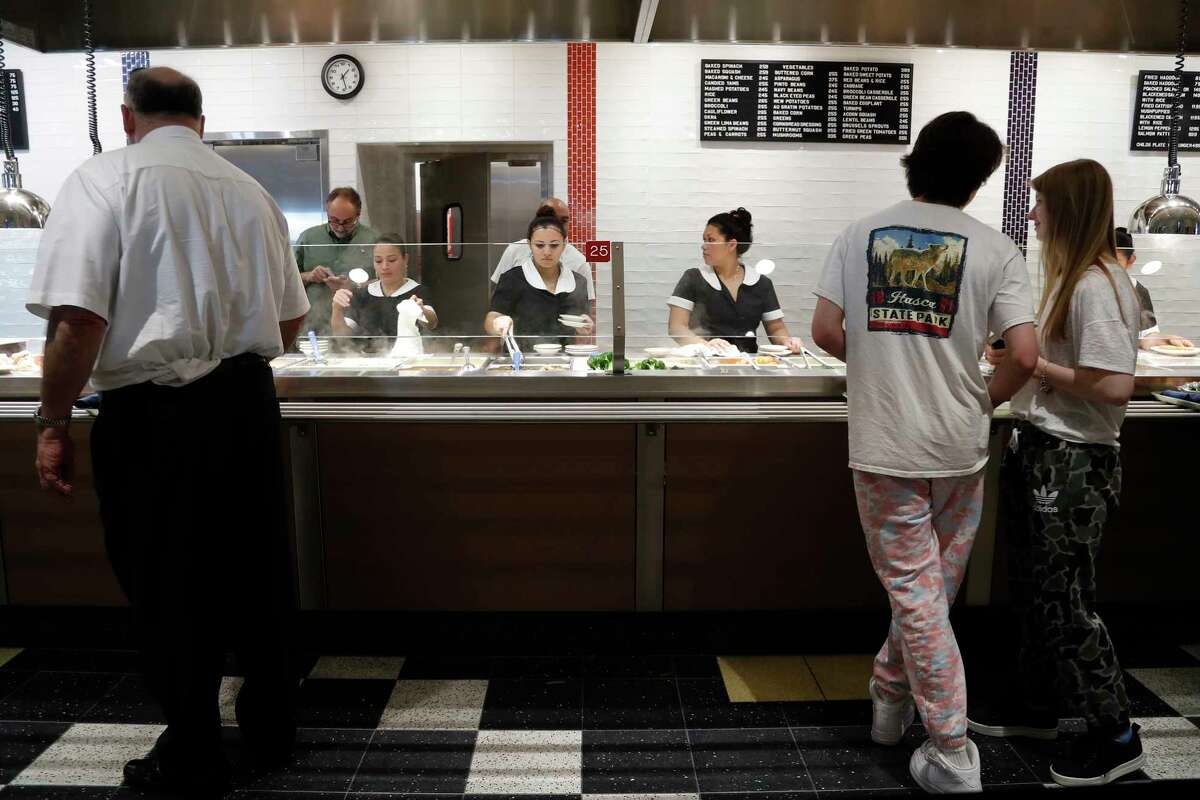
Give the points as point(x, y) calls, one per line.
point(625, 728)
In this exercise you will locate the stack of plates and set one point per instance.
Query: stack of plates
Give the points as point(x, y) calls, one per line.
point(573, 320)
point(773, 349)
point(581, 349)
point(323, 345)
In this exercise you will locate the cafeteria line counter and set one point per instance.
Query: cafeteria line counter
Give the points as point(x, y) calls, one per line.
point(711, 486)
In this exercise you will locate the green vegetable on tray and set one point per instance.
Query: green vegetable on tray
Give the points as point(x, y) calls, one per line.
point(650, 363)
point(601, 362)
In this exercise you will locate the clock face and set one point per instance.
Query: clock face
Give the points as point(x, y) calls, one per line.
point(342, 76)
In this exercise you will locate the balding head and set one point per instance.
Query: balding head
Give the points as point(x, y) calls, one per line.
point(160, 96)
point(560, 208)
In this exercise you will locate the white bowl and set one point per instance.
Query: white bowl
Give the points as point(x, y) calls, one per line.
point(772, 349)
point(570, 323)
point(547, 349)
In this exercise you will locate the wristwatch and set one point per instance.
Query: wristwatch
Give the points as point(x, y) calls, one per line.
point(46, 422)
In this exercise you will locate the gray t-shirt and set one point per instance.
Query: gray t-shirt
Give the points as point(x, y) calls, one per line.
point(1101, 332)
point(921, 286)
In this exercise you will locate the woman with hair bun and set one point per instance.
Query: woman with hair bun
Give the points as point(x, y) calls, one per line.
point(723, 302)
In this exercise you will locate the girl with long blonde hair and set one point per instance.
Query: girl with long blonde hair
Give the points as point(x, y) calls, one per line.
point(1061, 481)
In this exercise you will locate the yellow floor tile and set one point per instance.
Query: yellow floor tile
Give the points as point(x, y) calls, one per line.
point(760, 679)
point(842, 677)
point(8, 654)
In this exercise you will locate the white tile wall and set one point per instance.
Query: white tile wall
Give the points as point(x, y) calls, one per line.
point(1085, 110)
point(656, 181)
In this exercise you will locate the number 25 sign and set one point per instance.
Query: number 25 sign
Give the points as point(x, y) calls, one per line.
point(598, 252)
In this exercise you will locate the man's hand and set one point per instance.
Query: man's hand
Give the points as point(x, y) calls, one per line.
point(316, 275)
point(55, 462)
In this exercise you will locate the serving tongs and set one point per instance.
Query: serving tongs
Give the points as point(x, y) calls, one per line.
point(804, 351)
point(514, 350)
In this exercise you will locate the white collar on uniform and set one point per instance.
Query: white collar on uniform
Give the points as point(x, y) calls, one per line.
point(566, 278)
point(171, 132)
point(375, 288)
point(710, 276)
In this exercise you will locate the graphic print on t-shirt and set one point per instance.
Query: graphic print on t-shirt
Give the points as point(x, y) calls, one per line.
point(914, 279)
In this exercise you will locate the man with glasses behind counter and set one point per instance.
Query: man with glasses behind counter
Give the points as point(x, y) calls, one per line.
point(326, 253)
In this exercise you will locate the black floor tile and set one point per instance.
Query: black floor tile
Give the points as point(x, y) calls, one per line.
point(57, 792)
point(416, 762)
point(637, 762)
point(762, 760)
point(1145, 703)
point(999, 763)
point(128, 702)
point(696, 666)
point(706, 705)
point(628, 667)
point(631, 704)
point(846, 758)
point(325, 761)
point(22, 742)
point(255, 794)
point(10, 681)
point(1195, 721)
point(824, 713)
point(537, 668)
point(760, 796)
point(420, 667)
point(64, 660)
point(334, 703)
point(551, 705)
point(1143, 653)
point(57, 696)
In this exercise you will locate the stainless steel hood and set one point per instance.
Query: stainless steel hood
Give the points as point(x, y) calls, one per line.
point(1106, 25)
point(55, 25)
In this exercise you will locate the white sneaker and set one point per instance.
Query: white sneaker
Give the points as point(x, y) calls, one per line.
point(890, 718)
point(934, 773)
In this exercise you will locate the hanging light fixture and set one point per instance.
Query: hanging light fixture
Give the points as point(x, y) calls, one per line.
point(19, 207)
point(1169, 211)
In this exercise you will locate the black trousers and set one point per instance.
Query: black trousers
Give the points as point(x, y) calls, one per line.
point(192, 499)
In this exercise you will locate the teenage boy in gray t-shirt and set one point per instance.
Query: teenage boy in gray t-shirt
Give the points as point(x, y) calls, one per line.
point(908, 299)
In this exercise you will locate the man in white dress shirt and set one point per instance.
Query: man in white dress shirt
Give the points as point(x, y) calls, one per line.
point(166, 276)
point(518, 253)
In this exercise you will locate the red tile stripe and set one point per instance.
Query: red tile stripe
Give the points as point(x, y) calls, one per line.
point(581, 140)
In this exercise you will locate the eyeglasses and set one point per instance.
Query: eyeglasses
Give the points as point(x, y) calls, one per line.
point(343, 223)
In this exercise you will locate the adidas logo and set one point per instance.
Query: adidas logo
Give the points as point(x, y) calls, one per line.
point(1043, 501)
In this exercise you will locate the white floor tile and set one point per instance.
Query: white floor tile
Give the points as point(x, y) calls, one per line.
point(362, 667)
point(1172, 746)
point(90, 755)
point(435, 705)
point(527, 762)
point(1178, 687)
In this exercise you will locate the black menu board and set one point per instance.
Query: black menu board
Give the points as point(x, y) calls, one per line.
point(805, 101)
point(1152, 111)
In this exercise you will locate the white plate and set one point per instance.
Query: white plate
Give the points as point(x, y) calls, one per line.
point(571, 323)
point(547, 349)
point(659, 352)
point(773, 349)
point(573, 317)
point(582, 349)
point(1182, 352)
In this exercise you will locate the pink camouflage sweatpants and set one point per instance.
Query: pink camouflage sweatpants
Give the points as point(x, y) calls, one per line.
point(919, 534)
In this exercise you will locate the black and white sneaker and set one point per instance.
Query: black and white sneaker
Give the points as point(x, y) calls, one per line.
point(1013, 720)
point(1099, 760)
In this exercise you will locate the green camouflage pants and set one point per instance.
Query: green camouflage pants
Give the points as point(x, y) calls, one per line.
point(1056, 497)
